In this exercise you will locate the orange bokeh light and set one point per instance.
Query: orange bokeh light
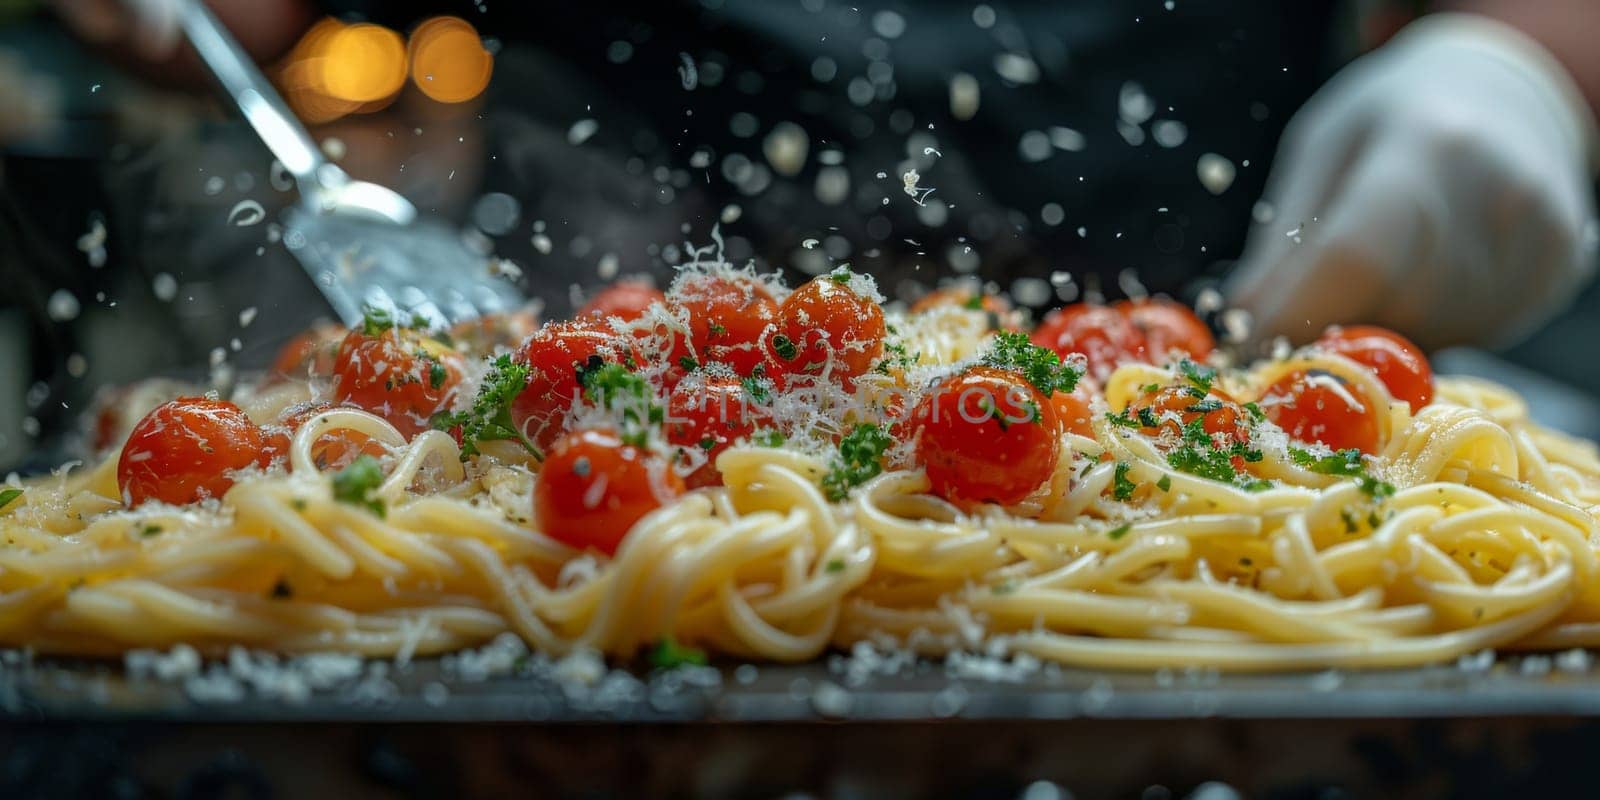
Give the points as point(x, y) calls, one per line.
point(448, 60)
point(362, 63)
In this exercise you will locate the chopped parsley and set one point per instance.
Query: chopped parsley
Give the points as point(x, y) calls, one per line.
point(437, 374)
point(147, 530)
point(356, 483)
point(1040, 366)
point(375, 320)
point(1199, 377)
point(860, 460)
point(7, 496)
point(1350, 524)
point(759, 390)
point(688, 363)
point(974, 302)
point(767, 437)
point(615, 388)
point(716, 329)
point(1148, 418)
point(1201, 456)
point(1121, 487)
point(836, 565)
point(1165, 484)
point(668, 654)
point(1254, 410)
point(1119, 531)
point(1150, 388)
point(1345, 464)
point(708, 444)
point(1122, 419)
point(841, 276)
point(489, 418)
point(784, 348)
point(895, 355)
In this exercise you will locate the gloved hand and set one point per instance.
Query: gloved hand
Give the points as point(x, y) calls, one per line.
point(1440, 186)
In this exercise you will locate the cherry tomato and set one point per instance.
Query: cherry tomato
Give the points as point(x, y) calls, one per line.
point(554, 355)
point(1106, 338)
point(708, 415)
point(593, 487)
point(311, 353)
point(1166, 326)
point(1401, 365)
point(399, 374)
point(627, 299)
point(1173, 407)
point(1319, 407)
point(1073, 408)
point(485, 334)
point(333, 450)
point(183, 451)
point(727, 315)
point(986, 435)
point(827, 318)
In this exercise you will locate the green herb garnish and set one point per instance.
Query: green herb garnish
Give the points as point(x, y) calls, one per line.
point(9, 495)
point(767, 437)
point(1165, 484)
point(836, 565)
point(1040, 366)
point(1121, 487)
point(1119, 531)
point(860, 460)
point(355, 484)
point(974, 302)
point(784, 348)
point(147, 530)
point(668, 654)
point(688, 363)
point(1346, 464)
point(489, 418)
point(1199, 376)
point(437, 374)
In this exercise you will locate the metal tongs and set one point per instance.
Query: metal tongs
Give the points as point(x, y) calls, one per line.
point(361, 243)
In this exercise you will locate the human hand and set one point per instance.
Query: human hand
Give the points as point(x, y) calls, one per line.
point(1439, 186)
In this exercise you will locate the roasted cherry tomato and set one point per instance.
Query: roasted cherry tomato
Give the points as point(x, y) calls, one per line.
point(1167, 326)
point(628, 299)
point(826, 324)
point(485, 334)
point(1319, 407)
point(333, 450)
point(554, 355)
point(706, 414)
point(1103, 336)
point(1401, 365)
point(309, 354)
point(397, 373)
point(184, 450)
point(986, 435)
point(727, 315)
point(593, 487)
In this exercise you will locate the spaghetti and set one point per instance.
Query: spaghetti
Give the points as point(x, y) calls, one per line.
point(1469, 527)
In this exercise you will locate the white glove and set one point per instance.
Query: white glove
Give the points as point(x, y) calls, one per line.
point(1439, 186)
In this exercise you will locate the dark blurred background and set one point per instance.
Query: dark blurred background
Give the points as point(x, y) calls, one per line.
point(611, 133)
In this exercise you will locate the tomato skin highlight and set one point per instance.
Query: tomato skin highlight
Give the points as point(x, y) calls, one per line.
point(714, 411)
point(181, 452)
point(1166, 326)
point(400, 375)
point(592, 488)
point(1398, 363)
point(553, 355)
point(826, 317)
point(1100, 334)
point(727, 316)
point(976, 443)
point(628, 299)
point(1322, 409)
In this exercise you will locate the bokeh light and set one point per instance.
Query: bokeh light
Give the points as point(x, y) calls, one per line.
point(363, 63)
point(448, 60)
